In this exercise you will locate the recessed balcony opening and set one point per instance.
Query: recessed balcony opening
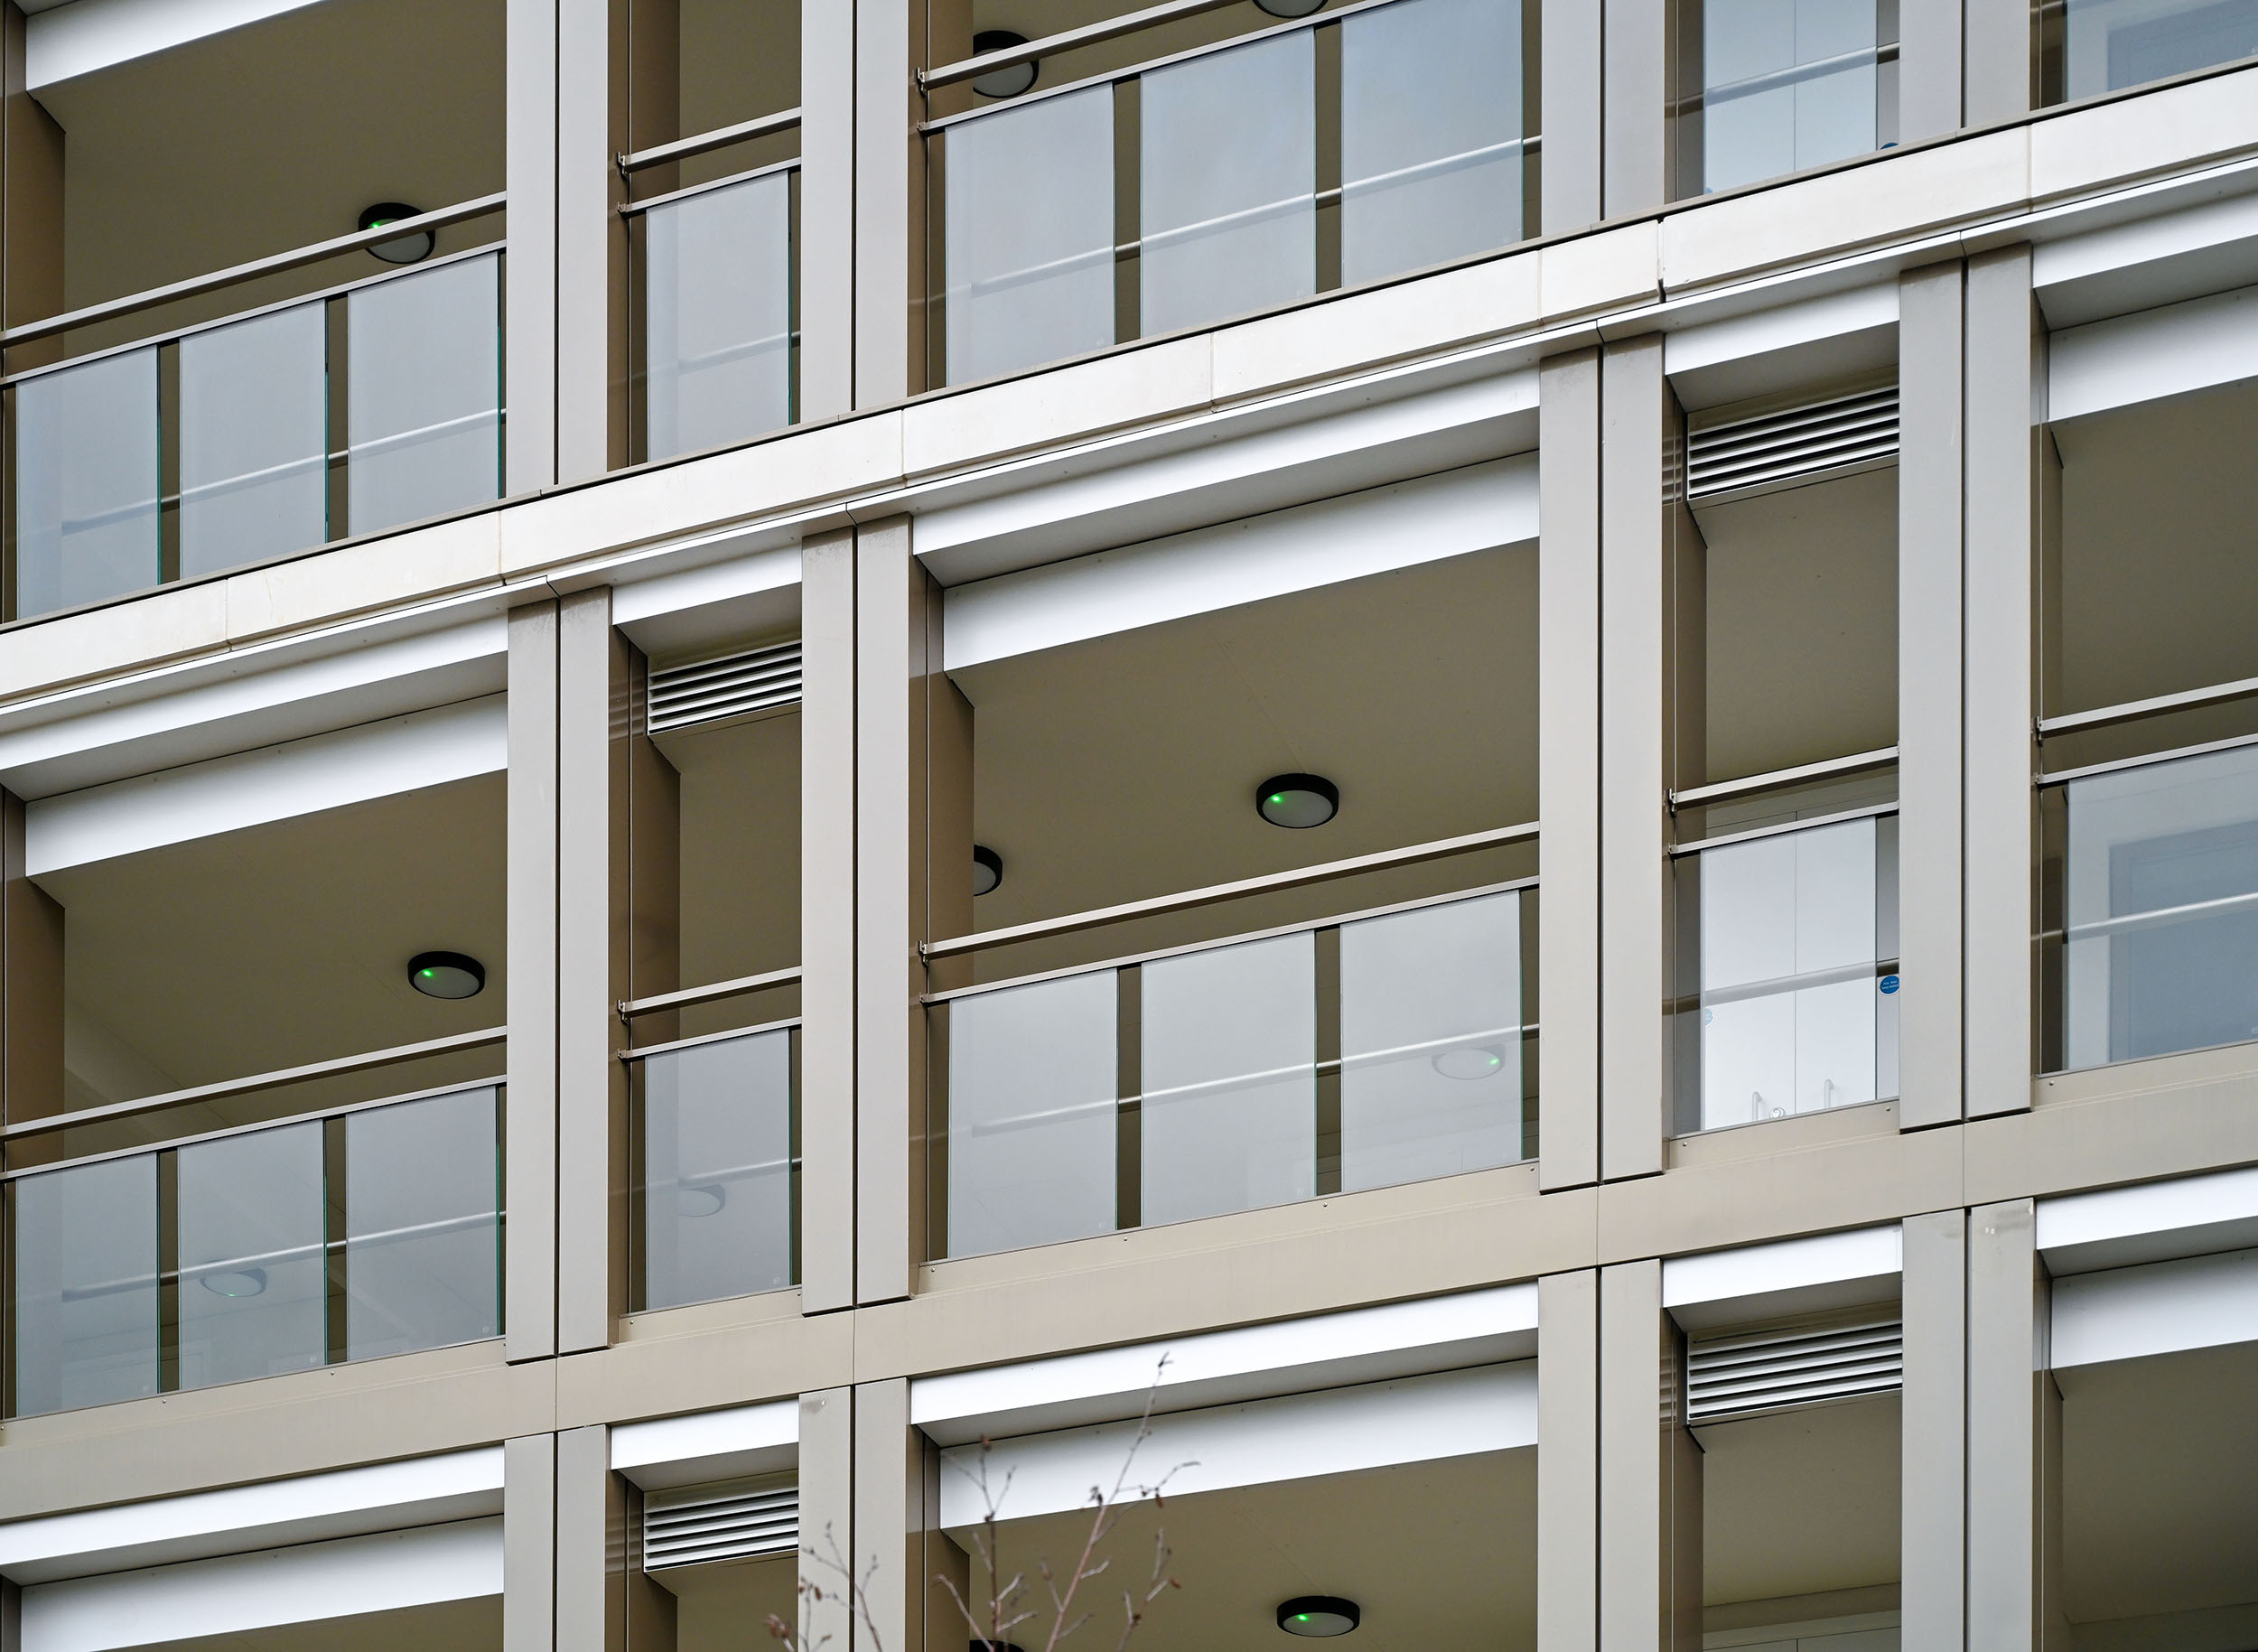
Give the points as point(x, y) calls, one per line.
point(718, 1560)
point(1763, 88)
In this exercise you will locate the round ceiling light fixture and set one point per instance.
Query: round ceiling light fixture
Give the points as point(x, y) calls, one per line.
point(1292, 8)
point(236, 1282)
point(1469, 1061)
point(1003, 82)
point(1318, 1616)
point(1297, 801)
point(446, 975)
point(987, 869)
point(408, 248)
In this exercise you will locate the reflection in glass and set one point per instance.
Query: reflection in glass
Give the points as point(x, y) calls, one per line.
point(1030, 210)
point(86, 484)
point(422, 1262)
point(1228, 183)
point(1032, 1086)
point(2161, 900)
point(717, 1169)
point(1430, 1042)
point(85, 1286)
point(718, 319)
point(254, 439)
point(2111, 44)
point(422, 395)
point(1788, 84)
point(1430, 133)
point(1230, 1108)
point(253, 1290)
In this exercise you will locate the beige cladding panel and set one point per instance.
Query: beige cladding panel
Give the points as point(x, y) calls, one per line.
point(1567, 1462)
point(530, 1133)
point(827, 921)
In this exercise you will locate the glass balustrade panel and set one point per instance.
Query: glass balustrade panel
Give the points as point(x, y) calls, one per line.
point(2111, 44)
point(1430, 1042)
point(254, 439)
point(1430, 133)
point(422, 1229)
point(1029, 202)
point(717, 1169)
point(1787, 85)
point(1228, 1114)
point(2161, 902)
point(85, 1286)
point(253, 1289)
point(1033, 1079)
point(1228, 183)
point(422, 395)
point(86, 484)
point(718, 316)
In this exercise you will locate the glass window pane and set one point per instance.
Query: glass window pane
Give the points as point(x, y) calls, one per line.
point(85, 1286)
point(1031, 1087)
point(254, 439)
point(1228, 1117)
point(1228, 183)
point(718, 316)
point(421, 1251)
point(1029, 209)
point(717, 1167)
point(1430, 133)
point(2116, 43)
point(422, 395)
point(86, 484)
point(1430, 1042)
point(253, 1289)
point(1760, 119)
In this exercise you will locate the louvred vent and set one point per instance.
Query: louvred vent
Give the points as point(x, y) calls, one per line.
point(715, 689)
point(682, 1528)
point(1792, 445)
point(1739, 1374)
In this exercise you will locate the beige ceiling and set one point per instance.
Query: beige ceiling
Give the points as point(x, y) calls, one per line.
point(726, 1606)
point(455, 1625)
point(1800, 1502)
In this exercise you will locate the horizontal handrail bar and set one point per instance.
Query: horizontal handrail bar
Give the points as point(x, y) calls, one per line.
point(399, 229)
point(2132, 711)
point(2163, 917)
point(2061, 777)
point(629, 1008)
point(636, 208)
point(721, 137)
point(1750, 783)
point(1075, 922)
point(710, 1038)
point(1052, 45)
point(1777, 829)
point(256, 1081)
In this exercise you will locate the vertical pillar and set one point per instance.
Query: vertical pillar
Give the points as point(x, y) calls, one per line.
point(1568, 764)
point(1567, 1462)
point(2011, 1422)
point(32, 928)
point(1635, 90)
point(1934, 1430)
point(1634, 698)
point(827, 927)
point(1569, 163)
point(826, 209)
point(826, 1519)
point(530, 1544)
point(2004, 447)
point(530, 1170)
point(1929, 693)
point(591, 68)
point(1928, 68)
point(591, 1551)
point(1650, 1492)
point(529, 122)
point(2000, 63)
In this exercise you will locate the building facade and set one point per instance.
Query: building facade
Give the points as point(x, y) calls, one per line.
point(1475, 780)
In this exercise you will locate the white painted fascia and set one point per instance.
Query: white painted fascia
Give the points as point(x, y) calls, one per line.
point(702, 606)
point(1762, 1282)
point(2209, 248)
point(1359, 1346)
point(418, 1491)
point(708, 1445)
point(68, 41)
point(2150, 1222)
point(1341, 1431)
point(2153, 353)
point(2156, 1307)
point(1714, 362)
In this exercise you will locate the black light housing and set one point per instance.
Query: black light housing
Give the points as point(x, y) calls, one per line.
point(987, 869)
point(1297, 801)
point(1318, 1616)
point(1291, 8)
point(408, 248)
point(446, 975)
point(1003, 82)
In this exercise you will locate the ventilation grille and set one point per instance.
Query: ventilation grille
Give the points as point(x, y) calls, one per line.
point(683, 1528)
point(1786, 446)
point(712, 689)
point(1777, 1370)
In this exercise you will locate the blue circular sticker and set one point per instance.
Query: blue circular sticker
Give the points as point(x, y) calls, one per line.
point(1888, 984)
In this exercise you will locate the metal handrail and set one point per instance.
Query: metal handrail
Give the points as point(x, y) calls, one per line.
point(629, 1008)
point(2132, 711)
point(2063, 777)
point(1722, 789)
point(721, 137)
point(1781, 828)
point(1052, 45)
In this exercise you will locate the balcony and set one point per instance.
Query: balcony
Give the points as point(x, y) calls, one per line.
point(1772, 86)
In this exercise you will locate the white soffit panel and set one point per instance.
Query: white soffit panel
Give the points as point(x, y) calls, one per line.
point(708, 1445)
point(1362, 1345)
point(302, 1584)
point(2119, 1227)
point(2159, 260)
point(2157, 1308)
point(301, 776)
point(708, 606)
point(1476, 508)
point(86, 35)
point(1716, 363)
point(2154, 353)
point(1759, 1282)
point(1418, 1419)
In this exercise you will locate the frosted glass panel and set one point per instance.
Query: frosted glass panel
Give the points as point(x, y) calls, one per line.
point(718, 316)
point(422, 1262)
point(2111, 44)
point(1030, 203)
point(1430, 1042)
point(86, 484)
point(254, 439)
point(422, 394)
point(253, 1290)
point(717, 1164)
point(1229, 1110)
point(1228, 183)
point(1788, 84)
point(1430, 131)
point(1031, 1087)
point(85, 1286)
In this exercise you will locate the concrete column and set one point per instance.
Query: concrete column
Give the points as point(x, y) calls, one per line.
point(893, 39)
point(591, 247)
point(826, 1519)
point(2000, 61)
point(1568, 758)
point(529, 273)
point(529, 1169)
point(826, 209)
point(1928, 68)
point(530, 1544)
point(1569, 163)
point(1650, 1485)
point(592, 1557)
point(826, 759)
point(2013, 1420)
point(1633, 147)
point(1567, 1462)
point(1934, 1430)
point(1929, 693)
